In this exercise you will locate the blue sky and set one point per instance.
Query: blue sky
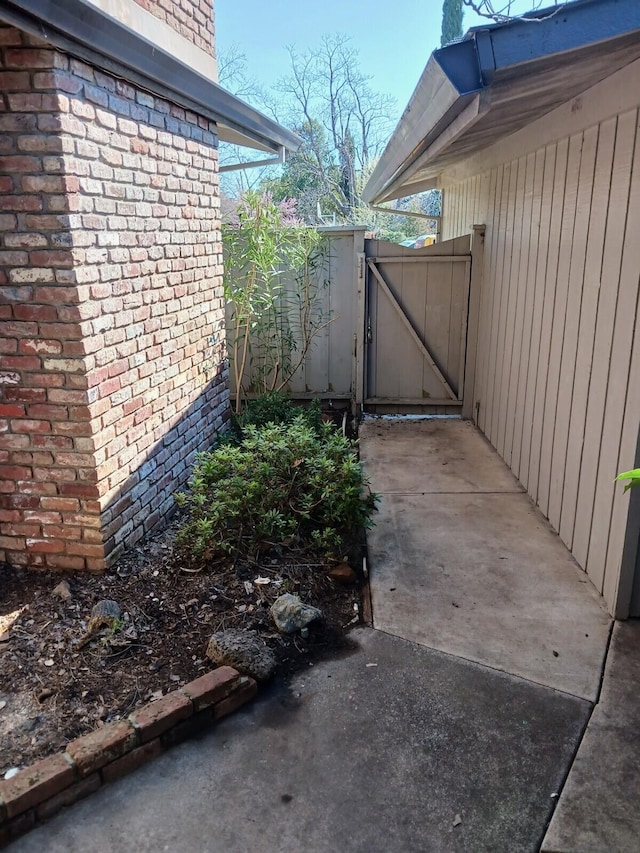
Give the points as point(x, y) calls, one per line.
point(394, 37)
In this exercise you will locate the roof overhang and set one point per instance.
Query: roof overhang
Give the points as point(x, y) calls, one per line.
point(87, 32)
point(498, 79)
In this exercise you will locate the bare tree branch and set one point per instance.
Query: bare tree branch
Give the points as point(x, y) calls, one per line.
point(502, 12)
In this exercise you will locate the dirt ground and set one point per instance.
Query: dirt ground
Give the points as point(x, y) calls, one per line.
point(57, 684)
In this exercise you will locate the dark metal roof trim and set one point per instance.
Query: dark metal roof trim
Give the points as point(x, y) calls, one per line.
point(459, 61)
point(558, 29)
point(85, 31)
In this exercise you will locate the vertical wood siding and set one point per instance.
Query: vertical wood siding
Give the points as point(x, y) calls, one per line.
point(558, 361)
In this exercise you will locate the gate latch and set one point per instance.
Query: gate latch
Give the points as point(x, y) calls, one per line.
point(369, 331)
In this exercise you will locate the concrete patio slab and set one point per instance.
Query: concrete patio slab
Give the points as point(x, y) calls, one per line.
point(391, 749)
point(470, 567)
point(598, 809)
point(431, 457)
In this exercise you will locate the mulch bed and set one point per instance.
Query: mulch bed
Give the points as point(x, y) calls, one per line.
point(53, 688)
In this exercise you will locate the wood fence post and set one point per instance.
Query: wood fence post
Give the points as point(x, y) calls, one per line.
point(477, 255)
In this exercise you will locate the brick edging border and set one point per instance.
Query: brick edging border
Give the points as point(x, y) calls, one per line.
point(37, 792)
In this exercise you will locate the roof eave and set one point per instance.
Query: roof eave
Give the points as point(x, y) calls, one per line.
point(442, 94)
point(490, 52)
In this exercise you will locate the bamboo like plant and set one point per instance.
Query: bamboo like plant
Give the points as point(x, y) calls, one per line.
point(271, 266)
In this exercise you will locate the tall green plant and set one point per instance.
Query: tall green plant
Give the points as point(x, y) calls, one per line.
point(633, 477)
point(271, 262)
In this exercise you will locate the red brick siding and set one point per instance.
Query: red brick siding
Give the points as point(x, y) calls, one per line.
point(110, 274)
point(149, 202)
point(47, 474)
point(193, 19)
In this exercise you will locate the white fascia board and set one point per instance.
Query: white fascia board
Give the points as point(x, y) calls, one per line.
point(433, 97)
point(417, 177)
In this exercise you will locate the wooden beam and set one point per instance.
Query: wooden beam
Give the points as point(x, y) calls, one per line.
point(463, 331)
point(410, 401)
point(358, 390)
point(416, 337)
point(477, 252)
point(432, 259)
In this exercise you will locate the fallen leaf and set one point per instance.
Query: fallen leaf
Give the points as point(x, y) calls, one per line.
point(48, 662)
point(372, 664)
point(263, 581)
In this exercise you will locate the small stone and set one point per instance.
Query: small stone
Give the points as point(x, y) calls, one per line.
point(45, 694)
point(291, 614)
point(104, 614)
point(11, 772)
point(244, 651)
point(63, 591)
point(48, 662)
point(342, 574)
point(3, 704)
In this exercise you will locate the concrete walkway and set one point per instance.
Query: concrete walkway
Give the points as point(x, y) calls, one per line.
point(461, 561)
point(451, 726)
point(599, 809)
point(394, 748)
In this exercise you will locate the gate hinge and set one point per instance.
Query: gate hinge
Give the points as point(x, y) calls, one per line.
point(360, 267)
point(369, 331)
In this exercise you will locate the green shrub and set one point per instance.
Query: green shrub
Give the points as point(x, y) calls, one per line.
point(285, 483)
point(275, 407)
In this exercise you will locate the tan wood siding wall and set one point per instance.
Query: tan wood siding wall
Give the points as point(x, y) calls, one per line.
point(558, 363)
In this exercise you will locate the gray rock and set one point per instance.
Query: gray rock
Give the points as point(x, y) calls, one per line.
point(107, 608)
point(62, 590)
point(291, 614)
point(244, 651)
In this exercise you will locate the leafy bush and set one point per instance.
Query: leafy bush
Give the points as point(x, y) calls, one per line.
point(277, 408)
point(284, 484)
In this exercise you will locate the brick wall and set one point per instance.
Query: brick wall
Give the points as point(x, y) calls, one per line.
point(111, 349)
point(193, 19)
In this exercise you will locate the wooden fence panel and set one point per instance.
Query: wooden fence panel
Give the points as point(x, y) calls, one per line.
point(329, 367)
point(417, 315)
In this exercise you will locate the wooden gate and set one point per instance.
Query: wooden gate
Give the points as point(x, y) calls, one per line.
point(416, 312)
